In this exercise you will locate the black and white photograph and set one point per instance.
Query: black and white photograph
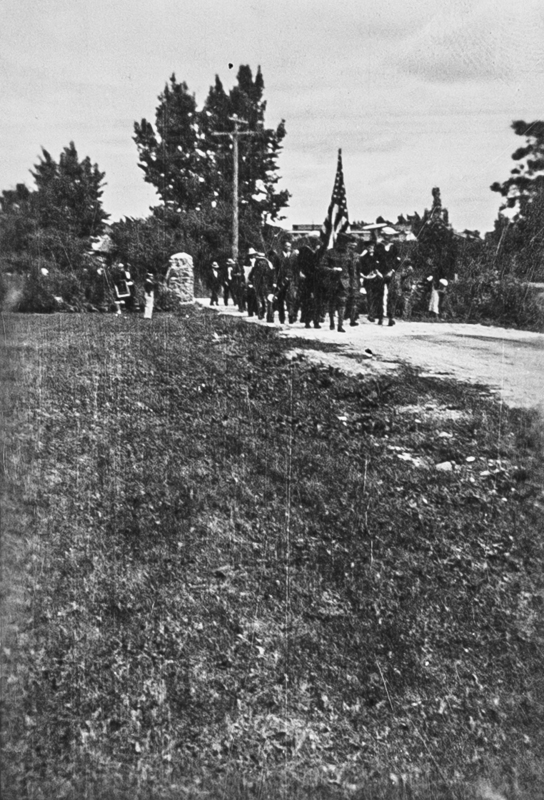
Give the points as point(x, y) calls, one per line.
point(272, 397)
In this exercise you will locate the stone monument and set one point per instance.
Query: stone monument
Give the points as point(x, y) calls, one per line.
point(180, 277)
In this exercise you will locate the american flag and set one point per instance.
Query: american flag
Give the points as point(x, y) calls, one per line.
point(336, 220)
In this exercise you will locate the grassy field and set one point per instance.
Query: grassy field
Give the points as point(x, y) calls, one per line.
point(231, 574)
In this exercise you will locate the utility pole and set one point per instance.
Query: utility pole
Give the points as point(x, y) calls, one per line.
point(235, 135)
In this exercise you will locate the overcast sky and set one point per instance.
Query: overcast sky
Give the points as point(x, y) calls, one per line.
point(417, 93)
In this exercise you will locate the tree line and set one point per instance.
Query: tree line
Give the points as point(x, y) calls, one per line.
point(46, 231)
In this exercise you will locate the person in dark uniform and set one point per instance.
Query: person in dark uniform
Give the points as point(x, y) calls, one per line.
point(263, 280)
point(376, 284)
point(352, 308)
point(391, 277)
point(310, 286)
point(287, 279)
point(407, 289)
point(337, 270)
point(226, 281)
point(238, 285)
point(392, 283)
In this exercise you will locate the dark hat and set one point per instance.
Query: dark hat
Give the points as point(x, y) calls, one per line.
point(344, 238)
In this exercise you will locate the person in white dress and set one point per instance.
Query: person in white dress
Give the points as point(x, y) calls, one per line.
point(149, 295)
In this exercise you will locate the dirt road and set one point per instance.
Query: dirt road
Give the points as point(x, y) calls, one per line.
point(509, 362)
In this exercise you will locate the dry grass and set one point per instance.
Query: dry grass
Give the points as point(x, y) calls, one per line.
point(236, 584)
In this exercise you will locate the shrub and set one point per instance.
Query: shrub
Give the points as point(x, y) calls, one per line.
point(483, 295)
point(40, 292)
point(165, 299)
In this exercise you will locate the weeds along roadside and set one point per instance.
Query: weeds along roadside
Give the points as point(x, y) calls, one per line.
point(244, 565)
point(482, 296)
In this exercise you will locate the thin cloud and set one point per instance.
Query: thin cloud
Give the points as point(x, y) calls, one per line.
point(417, 93)
point(485, 41)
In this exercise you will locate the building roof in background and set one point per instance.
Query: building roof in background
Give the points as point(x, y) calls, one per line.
point(102, 244)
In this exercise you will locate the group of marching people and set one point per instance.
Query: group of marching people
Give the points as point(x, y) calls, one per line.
point(309, 284)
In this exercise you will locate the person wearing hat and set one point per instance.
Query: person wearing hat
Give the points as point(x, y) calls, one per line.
point(288, 280)
point(377, 286)
point(354, 295)
point(434, 299)
point(443, 301)
point(407, 289)
point(262, 279)
point(215, 284)
point(249, 297)
point(226, 281)
point(392, 282)
point(123, 287)
point(310, 294)
point(238, 285)
point(337, 270)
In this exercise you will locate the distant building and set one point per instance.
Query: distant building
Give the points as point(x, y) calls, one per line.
point(472, 236)
point(102, 245)
point(306, 228)
point(384, 230)
point(400, 231)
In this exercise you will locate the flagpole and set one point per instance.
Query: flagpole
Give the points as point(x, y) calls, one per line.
point(337, 220)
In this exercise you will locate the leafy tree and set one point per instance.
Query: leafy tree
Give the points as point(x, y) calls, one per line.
point(14, 199)
point(17, 222)
point(191, 168)
point(147, 244)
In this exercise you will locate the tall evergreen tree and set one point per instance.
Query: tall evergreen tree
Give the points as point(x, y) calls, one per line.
point(55, 220)
point(519, 240)
point(68, 195)
point(191, 168)
point(525, 179)
point(17, 222)
point(436, 247)
point(170, 157)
